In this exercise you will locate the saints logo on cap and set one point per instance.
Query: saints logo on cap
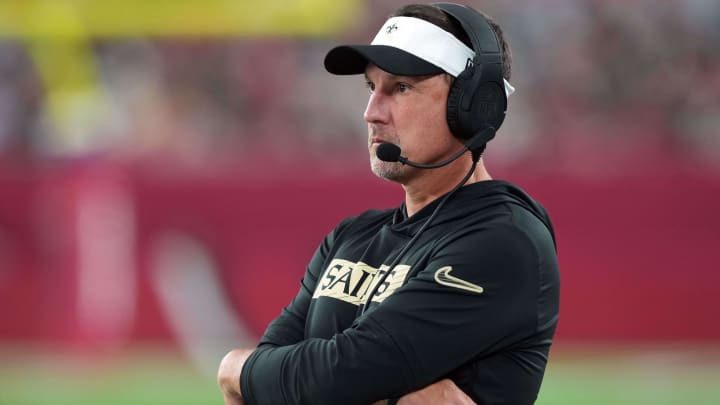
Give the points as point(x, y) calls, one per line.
point(390, 28)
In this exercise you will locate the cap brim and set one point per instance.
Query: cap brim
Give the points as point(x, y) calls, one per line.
point(353, 59)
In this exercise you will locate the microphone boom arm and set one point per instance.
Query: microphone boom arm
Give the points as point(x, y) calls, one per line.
point(405, 161)
point(476, 145)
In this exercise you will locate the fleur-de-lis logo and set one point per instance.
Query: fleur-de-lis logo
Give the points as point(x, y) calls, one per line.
point(390, 28)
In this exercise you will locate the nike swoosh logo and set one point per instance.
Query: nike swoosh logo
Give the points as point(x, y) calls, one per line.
point(442, 276)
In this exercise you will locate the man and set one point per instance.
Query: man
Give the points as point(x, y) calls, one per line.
point(453, 296)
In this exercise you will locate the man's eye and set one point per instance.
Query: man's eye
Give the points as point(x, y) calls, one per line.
point(403, 87)
point(370, 86)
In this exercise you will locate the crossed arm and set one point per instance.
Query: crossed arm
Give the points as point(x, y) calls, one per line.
point(441, 392)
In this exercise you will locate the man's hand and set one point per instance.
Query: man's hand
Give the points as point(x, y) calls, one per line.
point(442, 392)
point(229, 375)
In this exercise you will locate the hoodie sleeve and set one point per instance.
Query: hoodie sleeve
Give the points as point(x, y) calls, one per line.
point(419, 334)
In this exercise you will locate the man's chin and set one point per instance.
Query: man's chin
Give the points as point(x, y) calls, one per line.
point(392, 171)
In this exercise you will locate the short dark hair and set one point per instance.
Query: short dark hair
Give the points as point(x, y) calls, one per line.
point(441, 19)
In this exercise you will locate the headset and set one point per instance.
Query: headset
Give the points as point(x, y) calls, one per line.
point(477, 98)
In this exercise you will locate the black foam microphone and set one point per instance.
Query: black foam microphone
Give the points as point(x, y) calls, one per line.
point(389, 152)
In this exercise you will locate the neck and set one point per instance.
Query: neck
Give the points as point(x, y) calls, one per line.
point(433, 183)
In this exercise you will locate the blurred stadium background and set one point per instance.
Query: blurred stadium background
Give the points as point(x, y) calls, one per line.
point(168, 167)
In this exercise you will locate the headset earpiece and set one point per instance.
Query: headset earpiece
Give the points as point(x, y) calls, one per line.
point(477, 97)
point(474, 103)
point(454, 100)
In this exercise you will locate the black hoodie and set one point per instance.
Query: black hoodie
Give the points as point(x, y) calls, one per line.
point(474, 298)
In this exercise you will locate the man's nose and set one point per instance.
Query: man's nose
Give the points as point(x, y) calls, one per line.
point(377, 109)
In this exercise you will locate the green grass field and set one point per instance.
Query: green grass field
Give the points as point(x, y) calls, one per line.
point(576, 375)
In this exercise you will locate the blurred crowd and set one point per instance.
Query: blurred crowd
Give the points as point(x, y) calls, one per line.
point(602, 86)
